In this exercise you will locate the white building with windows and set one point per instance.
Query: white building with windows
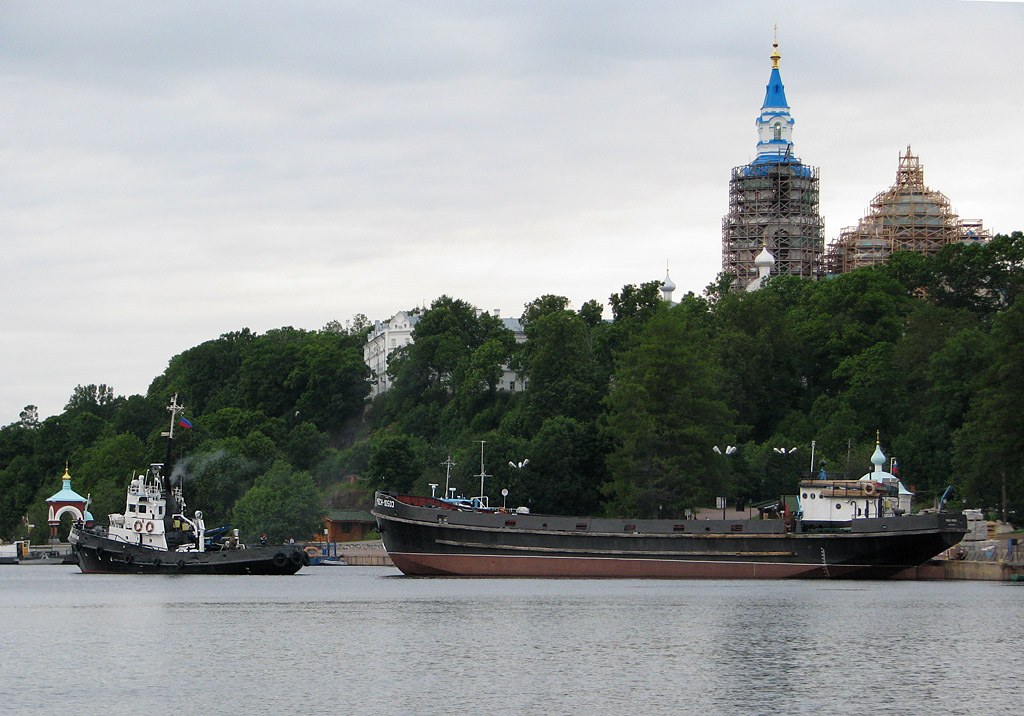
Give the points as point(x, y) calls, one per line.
point(385, 338)
point(388, 336)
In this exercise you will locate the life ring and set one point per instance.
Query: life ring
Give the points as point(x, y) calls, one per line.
point(313, 551)
point(138, 525)
point(129, 558)
point(149, 527)
point(181, 564)
point(157, 563)
point(280, 559)
point(869, 488)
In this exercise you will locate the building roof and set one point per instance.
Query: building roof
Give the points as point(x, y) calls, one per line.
point(66, 494)
point(350, 516)
point(775, 94)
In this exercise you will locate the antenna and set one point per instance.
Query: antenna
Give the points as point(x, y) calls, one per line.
point(483, 474)
point(447, 473)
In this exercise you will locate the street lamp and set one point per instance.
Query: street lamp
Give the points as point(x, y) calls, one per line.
point(517, 466)
point(729, 450)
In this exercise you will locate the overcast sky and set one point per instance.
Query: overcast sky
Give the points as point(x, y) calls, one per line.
point(172, 171)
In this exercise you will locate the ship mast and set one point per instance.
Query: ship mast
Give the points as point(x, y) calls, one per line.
point(482, 473)
point(175, 409)
point(447, 475)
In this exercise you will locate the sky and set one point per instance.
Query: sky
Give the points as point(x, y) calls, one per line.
point(170, 172)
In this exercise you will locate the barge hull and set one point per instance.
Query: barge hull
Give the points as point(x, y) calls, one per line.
point(431, 539)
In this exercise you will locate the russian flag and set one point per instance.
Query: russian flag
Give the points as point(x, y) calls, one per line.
point(185, 422)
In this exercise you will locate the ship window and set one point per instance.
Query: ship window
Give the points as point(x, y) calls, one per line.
point(838, 506)
point(581, 525)
point(510, 523)
point(812, 495)
point(736, 528)
point(131, 508)
point(142, 509)
point(629, 528)
point(443, 519)
point(805, 495)
point(678, 528)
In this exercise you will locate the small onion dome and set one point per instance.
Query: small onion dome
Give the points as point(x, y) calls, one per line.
point(764, 259)
point(878, 457)
point(668, 285)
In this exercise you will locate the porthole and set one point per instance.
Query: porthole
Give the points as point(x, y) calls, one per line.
point(813, 495)
point(838, 506)
point(805, 495)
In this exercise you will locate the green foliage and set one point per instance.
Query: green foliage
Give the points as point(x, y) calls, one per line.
point(449, 375)
point(990, 444)
point(104, 471)
point(616, 416)
point(566, 469)
point(283, 504)
point(664, 413)
point(396, 461)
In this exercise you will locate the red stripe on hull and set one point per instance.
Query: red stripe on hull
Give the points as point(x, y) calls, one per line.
point(504, 566)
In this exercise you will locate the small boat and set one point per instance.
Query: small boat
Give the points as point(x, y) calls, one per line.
point(14, 553)
point(841, 529)
point(154, 536)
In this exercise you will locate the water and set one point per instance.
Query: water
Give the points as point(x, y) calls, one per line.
point(363, 640)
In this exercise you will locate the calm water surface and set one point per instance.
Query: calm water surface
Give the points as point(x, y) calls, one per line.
point(362, 640)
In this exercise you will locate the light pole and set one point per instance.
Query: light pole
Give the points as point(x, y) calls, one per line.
point(517, 467)
point(729, 450)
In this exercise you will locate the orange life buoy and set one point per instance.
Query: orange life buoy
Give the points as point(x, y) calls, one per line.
point(869, 488)
point(149, 527)
point(313, 551)
point(138, 525)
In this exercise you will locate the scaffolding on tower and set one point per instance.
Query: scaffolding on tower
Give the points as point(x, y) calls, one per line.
point(773, 205)
point(908, 216)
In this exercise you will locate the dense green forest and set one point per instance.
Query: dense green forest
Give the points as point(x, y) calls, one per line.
point(619, 417)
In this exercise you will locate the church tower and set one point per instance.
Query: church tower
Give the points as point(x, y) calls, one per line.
point(773, 201)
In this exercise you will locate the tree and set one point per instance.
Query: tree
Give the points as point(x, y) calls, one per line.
point(755, 341)
point(104, 471)
point(395, 461)
point(29, 417)
point(566, 468)
point(664, 414)
point(283, 504)
point(990, 445)
point(449, 374)
point(98, 400)
point(559, 362)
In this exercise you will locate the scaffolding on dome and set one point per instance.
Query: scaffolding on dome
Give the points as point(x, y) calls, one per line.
point(908, 216)
point(773, 205)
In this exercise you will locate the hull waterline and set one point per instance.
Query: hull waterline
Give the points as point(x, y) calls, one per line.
point(96, 554)
point(430, 539)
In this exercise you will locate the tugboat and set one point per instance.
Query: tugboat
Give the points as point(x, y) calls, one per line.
point(154, 536)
